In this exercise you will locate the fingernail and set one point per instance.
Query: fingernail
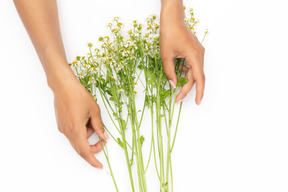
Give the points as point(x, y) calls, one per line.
point(179, 101)
point(106, 135)
point(99, 167)
point(172, 84)
point(199, 102)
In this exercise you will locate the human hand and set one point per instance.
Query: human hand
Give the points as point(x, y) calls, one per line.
point(77, 113)
point(177, 41)
point(78, 116)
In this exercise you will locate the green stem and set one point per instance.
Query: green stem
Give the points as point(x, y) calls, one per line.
point(204, 37)
point(140, 150)
point(154, 151)
point(107, 159)
point(176, 127)
point(159, 136)
point(171, 174)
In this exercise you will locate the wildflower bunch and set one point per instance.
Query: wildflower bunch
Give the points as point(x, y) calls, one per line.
point(112, 73)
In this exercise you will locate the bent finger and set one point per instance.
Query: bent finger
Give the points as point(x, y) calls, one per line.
point(89, 131)
point(97, 123)
point(169, 70)
point(184, 68)
point(84, 151)
point(198, 75)
point(186, 88)
point(96, 148)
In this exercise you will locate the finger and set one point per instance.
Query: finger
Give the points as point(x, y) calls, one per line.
point(85, 152)
point(90, 130)
point(169, 70)
point(72, 141)
point(96, 122)
point(97, 147)
point(184, 68)
point(198, 75)
point(186, 88)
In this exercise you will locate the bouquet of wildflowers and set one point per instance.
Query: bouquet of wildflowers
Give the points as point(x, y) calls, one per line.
point(125, 63)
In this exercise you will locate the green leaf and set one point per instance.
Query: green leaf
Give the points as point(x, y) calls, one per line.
point(113, 91)
point(150, 81)
point(142, 139)
point(181, 82)
point(166, 93)
point(123, 123)
point(109, 73)
point(111, 99)
point(120, 142)
point(151, 76)
point(108, 92)
point(115, 115)
point(154, 99)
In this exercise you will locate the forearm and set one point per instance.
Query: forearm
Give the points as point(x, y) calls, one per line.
point(40, 18)
point(172, 10)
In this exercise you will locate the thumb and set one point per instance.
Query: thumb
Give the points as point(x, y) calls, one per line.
point(169, 69)
point(96, 122)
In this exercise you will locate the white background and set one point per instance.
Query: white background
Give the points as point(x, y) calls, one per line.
point(236, 141)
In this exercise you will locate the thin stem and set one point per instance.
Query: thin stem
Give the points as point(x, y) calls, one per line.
point(206, 32)
point(107, 159)
point(171, 174)
point(176, 127)
point(116, 139)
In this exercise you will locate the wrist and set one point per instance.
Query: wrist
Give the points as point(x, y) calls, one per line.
point(60, 77)
point(56, 67)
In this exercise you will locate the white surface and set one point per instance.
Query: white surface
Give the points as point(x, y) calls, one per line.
point(236, 141)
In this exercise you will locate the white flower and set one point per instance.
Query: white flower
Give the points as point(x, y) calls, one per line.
point(119, 67)
point(120, 90)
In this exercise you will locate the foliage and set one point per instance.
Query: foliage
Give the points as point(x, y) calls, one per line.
point(113, 71)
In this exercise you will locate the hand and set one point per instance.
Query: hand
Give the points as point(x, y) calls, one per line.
point(77, 113)
point(177, 41)
point(78, 116)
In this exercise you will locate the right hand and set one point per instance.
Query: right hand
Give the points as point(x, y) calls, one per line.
point(177, 41)
point(78, 116)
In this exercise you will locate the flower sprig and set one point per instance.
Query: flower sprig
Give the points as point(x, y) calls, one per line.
point(112, 73)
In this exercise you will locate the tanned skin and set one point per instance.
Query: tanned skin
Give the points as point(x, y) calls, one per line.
point(78, 115)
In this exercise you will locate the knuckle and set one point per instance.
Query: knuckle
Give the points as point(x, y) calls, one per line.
point(95, 117)
point(184, 92)
point(97, 106)
point(95, 109)
point(197, 52)
point(74, 129)
point(168, 72)
point(183, 95)
point(60, 129)
point(202, 50)
point(203, 78)
point(65, 132)
point(98, 147)
point(83, 154)
point(200, 77)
